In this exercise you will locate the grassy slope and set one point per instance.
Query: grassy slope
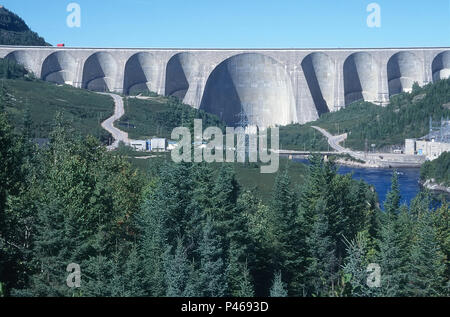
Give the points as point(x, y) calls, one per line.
point(84, 108)
point(158, 116)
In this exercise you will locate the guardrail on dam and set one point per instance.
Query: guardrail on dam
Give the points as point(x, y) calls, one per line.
point(270, 86)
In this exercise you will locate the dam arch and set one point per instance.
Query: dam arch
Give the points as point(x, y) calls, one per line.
point(320, 73)
point(182, 72)
point(141, 75)
point(23, 58)
point(59, 68)
point(403, 70)
point(361, 73)
point(252, 87)
point(99, 72)
point(441, 66)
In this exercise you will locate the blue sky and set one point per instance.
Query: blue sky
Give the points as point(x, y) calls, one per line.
point(239, 23)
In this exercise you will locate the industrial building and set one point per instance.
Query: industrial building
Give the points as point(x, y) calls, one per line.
point(153, 145)
point(433, 144)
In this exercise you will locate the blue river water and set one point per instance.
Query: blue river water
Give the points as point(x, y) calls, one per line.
point(408, 179)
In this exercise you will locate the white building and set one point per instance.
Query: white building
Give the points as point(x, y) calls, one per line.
point(158, 145)
point(139, 145)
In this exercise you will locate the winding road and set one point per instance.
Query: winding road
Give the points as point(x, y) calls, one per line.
point(334, 141)
point(372, 159)
point(108, 124)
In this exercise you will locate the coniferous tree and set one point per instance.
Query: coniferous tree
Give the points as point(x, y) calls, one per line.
point(322, 262)
point(152, 245)
point(53, 250)
point(133, 274)
point(287, 232)
point(278, 287)
point(224, 198)
point(245, 284)
point(391, 252)
point(404, 230)
point(262, 255)
point(392, 203)
point(177, 270)
point(427, 266)
point(212, 268)
point(390, 258)
point(13, 239)
point(238, 275)
point(101, 269)
point(442, 225)
point(86, 198)
point(233, 271)
point(355, 267)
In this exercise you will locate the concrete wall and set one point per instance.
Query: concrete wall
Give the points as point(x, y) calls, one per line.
point(269, 86)
point(432, 150)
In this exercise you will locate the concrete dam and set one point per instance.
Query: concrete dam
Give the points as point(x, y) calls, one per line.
point(266, 86)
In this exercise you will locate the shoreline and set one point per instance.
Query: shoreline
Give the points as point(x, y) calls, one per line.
point(390, 165)
point(435, 187)
point(352, 163)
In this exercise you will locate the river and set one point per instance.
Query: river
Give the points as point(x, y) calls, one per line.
point(408, 179)
point(380, 178)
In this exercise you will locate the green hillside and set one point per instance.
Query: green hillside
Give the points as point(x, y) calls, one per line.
point(302, 138)
point(84, 108)
point(158, 116)
point(439, 170)
point(14, 31)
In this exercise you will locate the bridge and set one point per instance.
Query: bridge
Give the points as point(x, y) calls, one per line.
point(271, 86)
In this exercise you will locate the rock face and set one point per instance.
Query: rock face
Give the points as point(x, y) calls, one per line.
point(260, 86)
point(433, 186)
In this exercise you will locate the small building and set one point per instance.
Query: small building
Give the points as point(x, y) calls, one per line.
point(139, 145)
point(158, 145)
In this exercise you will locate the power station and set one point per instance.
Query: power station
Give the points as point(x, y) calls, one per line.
point(275, 86)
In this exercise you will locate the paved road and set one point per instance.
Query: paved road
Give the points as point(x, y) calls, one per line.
point(334, 141)
point(108, 124)
point(372, 159)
